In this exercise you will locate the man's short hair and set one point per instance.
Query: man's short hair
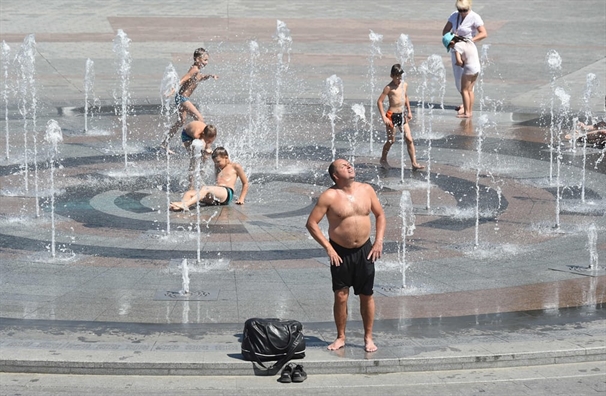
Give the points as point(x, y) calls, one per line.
point(331, 170)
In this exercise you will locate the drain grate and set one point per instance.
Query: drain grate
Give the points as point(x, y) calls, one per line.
point(581, 270)
point(195, 295)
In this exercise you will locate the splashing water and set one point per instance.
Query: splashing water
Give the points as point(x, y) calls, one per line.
point(27, 62)
point(591, 84)
point(89, 83)
point(408, 227)
point(184, 278)
point(562, 116)
point(483, 121)
point(197, 146)
point(359, 116)
point(6, 51)
point(433, 83)
point(592, 240)
point(554, 64)
point(405, 52)
point(282, 36)
point(332, 97)
point(169, 84)
point(54, 137)
point(375, 51)
point(554, 61)
point(123, 61)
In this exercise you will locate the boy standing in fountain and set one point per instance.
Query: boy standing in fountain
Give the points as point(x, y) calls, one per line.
point(187, 86)
point(205, 133)
point(395, 91)
point(223, 192)
point(347, 206)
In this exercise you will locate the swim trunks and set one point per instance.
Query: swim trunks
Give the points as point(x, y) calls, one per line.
point(355, 270)
point(230, 196)
point(180, 99)
point(185, 137)
point(397, 119)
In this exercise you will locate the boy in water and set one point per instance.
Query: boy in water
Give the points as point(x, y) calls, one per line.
point(187, 86)
point(205, 133)
point(395, 91)
point(223, 192)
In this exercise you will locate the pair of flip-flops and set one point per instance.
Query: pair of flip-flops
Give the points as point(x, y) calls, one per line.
point(292, 373)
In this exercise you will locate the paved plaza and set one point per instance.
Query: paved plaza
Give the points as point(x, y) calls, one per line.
point(498, 268)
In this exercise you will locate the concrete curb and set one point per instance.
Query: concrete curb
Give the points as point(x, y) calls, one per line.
point(169, 365)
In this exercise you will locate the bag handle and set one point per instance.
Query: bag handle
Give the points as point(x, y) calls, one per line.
point(273, 370)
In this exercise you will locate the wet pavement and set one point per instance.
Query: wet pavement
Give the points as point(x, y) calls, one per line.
point(495, 281)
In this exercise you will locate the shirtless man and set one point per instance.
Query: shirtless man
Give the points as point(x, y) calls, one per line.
point(187, 85)
point(394, 118)
point(223, 192)
point(347, 206)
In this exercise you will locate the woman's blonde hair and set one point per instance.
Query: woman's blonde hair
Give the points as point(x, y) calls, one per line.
point(463, 4)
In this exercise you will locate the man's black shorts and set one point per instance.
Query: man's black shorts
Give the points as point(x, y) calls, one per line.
point(356, 270)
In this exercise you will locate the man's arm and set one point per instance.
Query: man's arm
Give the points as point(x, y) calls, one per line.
point(377, 210)
point(316, 215)
point(244, 180)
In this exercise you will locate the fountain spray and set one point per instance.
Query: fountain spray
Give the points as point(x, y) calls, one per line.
point(375, 51)
point(54, 137)
point(197, 146)
point(123, 60)
point(592, 239)
point(89, 83)
point(590, 85)
point(434, 83)
point(557, 130)
point(282, 36)
point(554, 62)
point(6, 51)
point(27, 63)
point(359, 116)
point(408, 227)
point(333, 98)
point(170, 84)
point(184, 278)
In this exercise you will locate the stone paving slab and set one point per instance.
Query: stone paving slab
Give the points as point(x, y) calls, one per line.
point(91, 311)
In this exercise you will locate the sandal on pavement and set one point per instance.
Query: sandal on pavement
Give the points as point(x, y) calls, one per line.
point(286, 375)
point(298, 374)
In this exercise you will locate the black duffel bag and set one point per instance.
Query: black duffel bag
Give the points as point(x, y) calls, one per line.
point(266, 340)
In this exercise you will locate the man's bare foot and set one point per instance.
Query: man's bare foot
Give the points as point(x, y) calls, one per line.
point(177, 206)
point(463, 115)
point(370, 346)
point(384, 164)
point(416, 167)
point(338, 344)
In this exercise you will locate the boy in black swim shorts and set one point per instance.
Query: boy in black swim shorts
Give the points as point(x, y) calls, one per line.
point(394, 118)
